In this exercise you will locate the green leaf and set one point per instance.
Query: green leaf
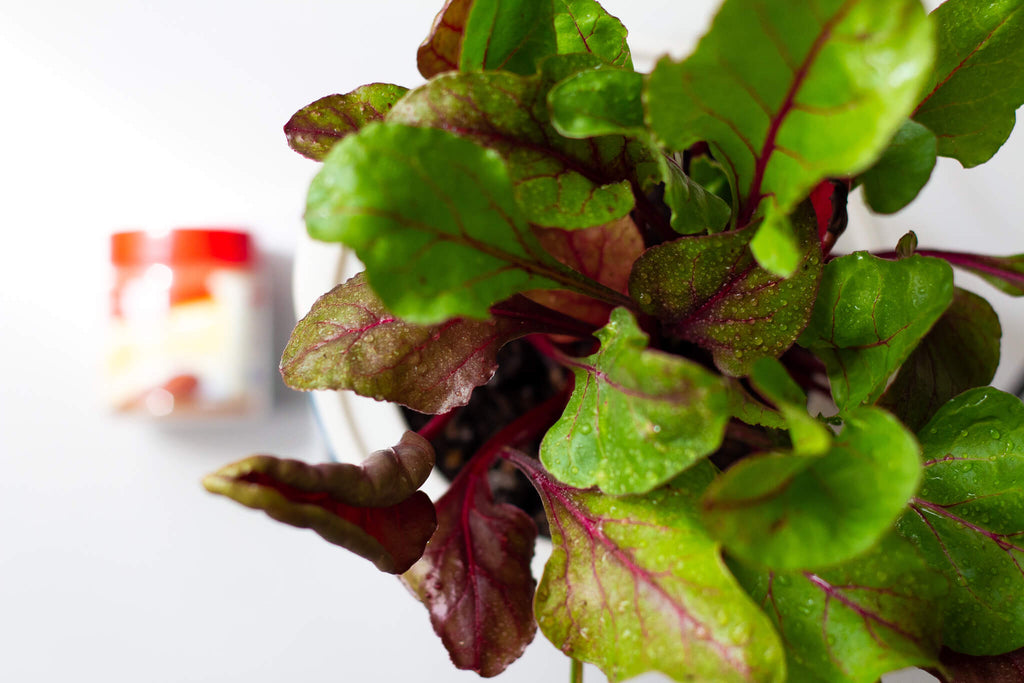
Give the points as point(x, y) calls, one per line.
point(433, 218)
point(559, 183)
point(442, 47)
point(902, 170)
point(637, 417)
point(788, 94)
point(349, 340)
point(857, 621)
point(968, 518)
point(869, 316)
point(786, 511)
point(747, 408)
point(709, 290)
point(585, 26)
point(694, 209)
point(978, 81)
point(373, 509)
point(770, 378)
point(314, 129)
point(508, 35)
point(634, 584)
point(960, 352)
point(601, 102)
point(775, 245)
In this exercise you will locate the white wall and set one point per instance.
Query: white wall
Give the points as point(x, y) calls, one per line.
point(115, 566)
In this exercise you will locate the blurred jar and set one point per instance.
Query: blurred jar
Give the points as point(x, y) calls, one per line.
point(190, 328)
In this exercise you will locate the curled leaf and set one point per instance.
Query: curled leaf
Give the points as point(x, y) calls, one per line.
point(442, 47)
point(314, 129)
point(585, 26)
point(373, 509)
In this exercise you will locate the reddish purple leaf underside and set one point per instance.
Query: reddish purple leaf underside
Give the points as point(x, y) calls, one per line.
point(442, 47)
point(374, 509)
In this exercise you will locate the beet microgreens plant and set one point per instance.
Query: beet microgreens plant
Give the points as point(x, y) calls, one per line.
point(667, 239)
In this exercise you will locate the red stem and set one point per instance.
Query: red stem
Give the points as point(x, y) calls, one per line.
point(436, 425)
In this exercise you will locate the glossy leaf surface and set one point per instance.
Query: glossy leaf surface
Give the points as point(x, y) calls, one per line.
point(314, 129)
point(475, 579)
point(816, 91)
point(788, 512)
point(507, 35)
point(637, 417)
point(558, 182)
point(902, 170)
point(869, 316)
point(710, 291)
point(441, 50)
point(372, 509)
point(634, 584)
point(960, 352)
point(978, 81)
point(968, 518)
point(598, 102)
point(349, 340)
point(866, 617)
point(585, 26)
point(409, 199)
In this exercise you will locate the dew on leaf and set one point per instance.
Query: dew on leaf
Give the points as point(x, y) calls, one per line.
point(994, 433)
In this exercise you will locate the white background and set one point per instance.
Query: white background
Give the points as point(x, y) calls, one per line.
point(115, 565)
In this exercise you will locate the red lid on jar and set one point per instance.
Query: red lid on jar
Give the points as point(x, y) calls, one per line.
point(181, 246)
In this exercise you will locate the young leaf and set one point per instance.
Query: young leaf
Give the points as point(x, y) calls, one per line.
point(559, 183)
point(408, 199)
point(869, 316)
point(598, 102)
point(978, 81)
point(791, 94)
point(508, 35)
point(788, 512)
point(1008, 668)
point(960, 352)
point(857, 621)
point(746, 408)
point(1005, 273)
point(314, 129)
point(775, 245)
point(372, 509)
point(968, 518)
point(902, 170)
point(634, 584)
point(809, 436)
point(349, 340)
point(637, 417)
point(475, 577)
point(710, 291)
point(694, 209)
point(604, 253)
point(584, 26)
point(442, 48)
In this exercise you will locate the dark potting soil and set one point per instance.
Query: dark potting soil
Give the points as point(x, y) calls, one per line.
point(524, 380)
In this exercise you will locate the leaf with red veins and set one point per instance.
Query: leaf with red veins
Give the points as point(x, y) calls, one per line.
point(604, 253)
point(958, 668)
point(857, 621)
point(968, 518)
point(711, 291)
point(373, 509)
point(634, 584)
point(558, 182)
point(816, 91)
point(442, 47)
point(315, 128)
point(475, 576)
point(869, 316)
point(349, 340)
point(1005, 273)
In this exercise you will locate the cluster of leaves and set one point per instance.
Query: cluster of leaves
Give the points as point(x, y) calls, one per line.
point(668, 238)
